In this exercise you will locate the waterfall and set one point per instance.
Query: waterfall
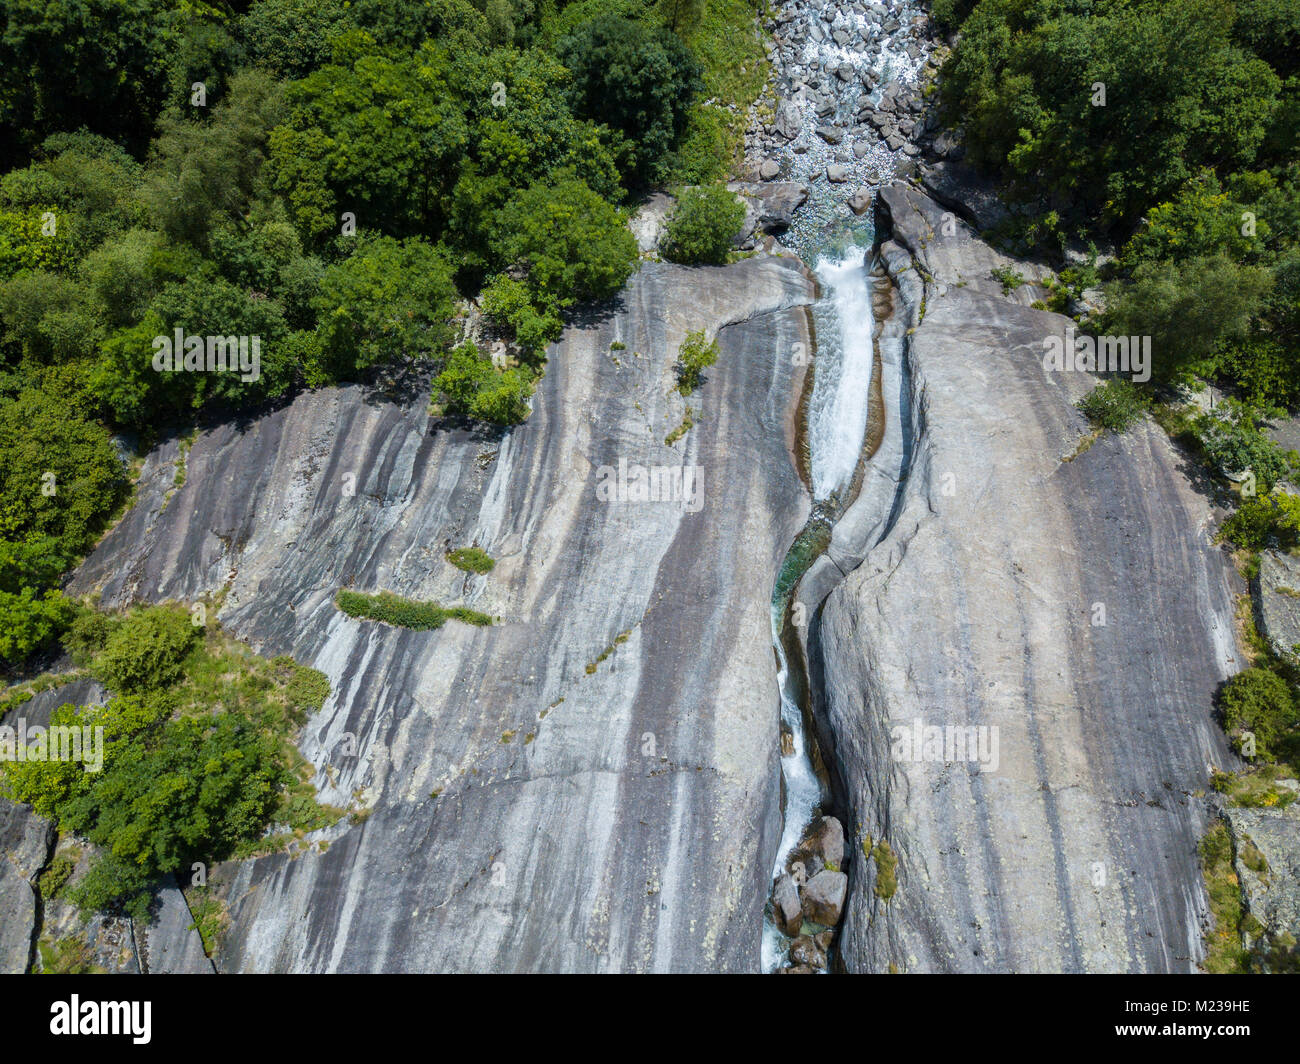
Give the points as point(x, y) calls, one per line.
point(835, 63)
point(837, 413)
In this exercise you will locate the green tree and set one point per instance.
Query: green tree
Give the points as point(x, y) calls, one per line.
point(390, 301)
point(59, 474)
point(32, 610)
point(703, 226)
point(1178, 96)
point(146, 650)
point(573, 244)
point(472, 387)
point(69, 63)
point(1261, 702)
point(638, 79)
point(375, 134)
point(1188, 309)
point(203, 172)
point(291, 38)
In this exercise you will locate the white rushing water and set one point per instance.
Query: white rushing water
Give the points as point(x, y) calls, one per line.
point(837, 426)
point(837, 412)
point(803, 794)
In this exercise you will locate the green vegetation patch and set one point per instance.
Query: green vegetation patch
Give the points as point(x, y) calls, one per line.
point(1224, 952)
point(471, 560)
point(702, 226)
point(1115, 405)
point(886, 870)
point(696, 354)
point(405, 613)
point(198, 754)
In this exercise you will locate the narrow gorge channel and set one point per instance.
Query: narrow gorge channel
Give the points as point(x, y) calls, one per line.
point(835, 65)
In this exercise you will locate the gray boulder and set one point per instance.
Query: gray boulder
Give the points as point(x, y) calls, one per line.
point(786, 907)
point(957, 186)
point(823, 898)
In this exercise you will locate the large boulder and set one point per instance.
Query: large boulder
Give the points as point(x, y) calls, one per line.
point(860, 200)
point(1266, 848)
point(773, 202)
point(824, 840)
point(960, 188)
point(823, 897)
point(786, 906)
point(789, 120)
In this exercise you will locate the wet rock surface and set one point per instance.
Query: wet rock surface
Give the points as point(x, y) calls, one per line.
point(1070, 599)
point(590, 784)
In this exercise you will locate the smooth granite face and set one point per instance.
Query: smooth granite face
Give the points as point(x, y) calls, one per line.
point(532, 802)
point(1072, 601)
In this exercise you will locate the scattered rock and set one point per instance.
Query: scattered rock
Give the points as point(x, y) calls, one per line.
point(788, 120)
point(769, 169)
point(804, 950)
point(837, 172)
point(860, 200)
point(774, 202)
point(830, 134)
point(786, 907)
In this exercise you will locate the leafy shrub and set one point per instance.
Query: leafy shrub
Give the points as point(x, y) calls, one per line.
point(59, 474)
point(1008, 278)
point(702, 226)
point(1233, 441)
point(471, 386)
point(508, 304)
point(307, 689)
point(1264, 520)
point(405, 613)
point(694, 356)
point(389, 301)
point(1259, 701)
point(146, 650)
point(471, 560)
point(1114, 405)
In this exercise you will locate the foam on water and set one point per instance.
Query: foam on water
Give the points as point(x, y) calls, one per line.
point(837, 412)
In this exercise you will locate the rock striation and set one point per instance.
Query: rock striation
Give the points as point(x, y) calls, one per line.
point(591, 784)
point(1058, 611)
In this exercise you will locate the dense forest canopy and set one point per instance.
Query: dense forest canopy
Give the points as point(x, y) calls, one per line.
point(334, 178)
